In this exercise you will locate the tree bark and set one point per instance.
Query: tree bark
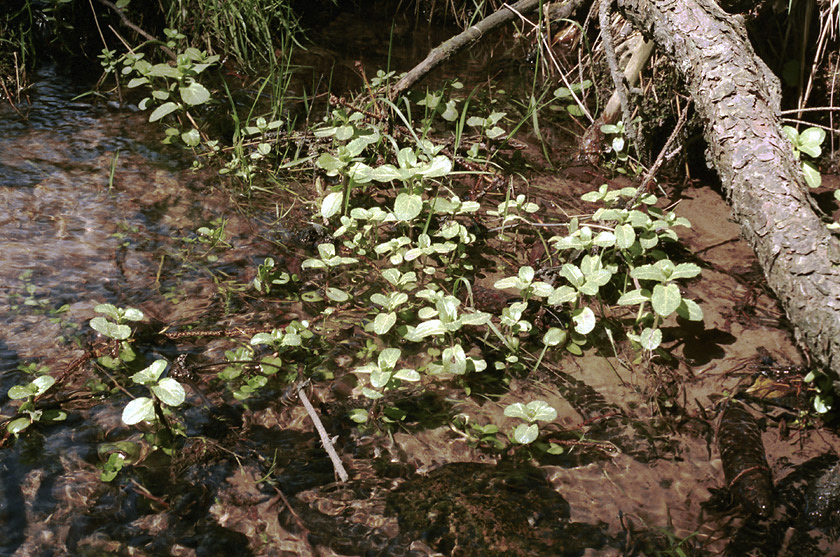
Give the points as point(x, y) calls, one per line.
point(738, 98)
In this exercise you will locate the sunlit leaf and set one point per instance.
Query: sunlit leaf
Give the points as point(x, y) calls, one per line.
point(337, 294)
point(525, 434)
point(42, 383)
point(20, 392)
point(17, 425)
point(150, 374)
point(689, 309)
point(516, 410)
point(139, 410)
point(407, 206)
point(554, 336)
point(389, 357)
point(634, 297)
point(110, 329)
point(379, 378)
point(665, 299)
point(132, 314)
point(407, 375)
point(169, 391)
point(584, 320)
point(383, 322)
point(539, 410)
point(163, 110)
point(812, 175)
point(650, 339)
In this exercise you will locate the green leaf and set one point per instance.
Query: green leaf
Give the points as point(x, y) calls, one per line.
point(137, 81)
point(407, 375)
point(169, 391)
point(508, 282)
point(685, 270)
point(387, 173)
point(150, 374)
point(650, 339)
point(195, 93)
point(440, 166)
point(584, 320)
point(525, 434)
point(563, 294)
point(388, 358)
point(379, 378)
point(810, 141)
point(554, 336)
point(648, 272)
point(42, 383)
point(665, 299)
point(330, 163)
point(516, 410)
point(358, 415)
point(407, 206)
point(132, 314)
point(572, 274)
point(812, 175)
point(109, 310)
point(139, 410)
point(337, 295)
point(383, 322)
point(17, 425)
point(163, 110)
point(110, 329)
point(429, 328)
point(191, 138)
point(540, 411)
point(20, 392)
point(625, 236)
point(690, 310)
point(634, 297)
point(476, 318)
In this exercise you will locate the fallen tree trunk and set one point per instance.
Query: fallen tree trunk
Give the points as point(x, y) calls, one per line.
point(738, 98)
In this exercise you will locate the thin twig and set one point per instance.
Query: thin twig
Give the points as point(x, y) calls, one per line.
point(127, 22)
point(325, 438)
point(648, 177)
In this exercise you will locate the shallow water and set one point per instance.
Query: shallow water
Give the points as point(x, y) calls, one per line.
point(639, 451)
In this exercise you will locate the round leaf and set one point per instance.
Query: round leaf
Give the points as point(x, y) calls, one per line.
point(132, 314)
point(383, 322)
point(110, 329)
point(150, 374)
point(665, 299)
point(651, 339)
point(139, 410)
point(42, 383)
point(584, 320)
point(379, 379)
point(18, 425)
point(525, 434)
point(195, 93)
point(539, 410)
point(407, 206)
point(554, 336)
point(19, 392)
point(169, 391)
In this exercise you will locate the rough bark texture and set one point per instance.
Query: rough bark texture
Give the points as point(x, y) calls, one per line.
point(738, 98)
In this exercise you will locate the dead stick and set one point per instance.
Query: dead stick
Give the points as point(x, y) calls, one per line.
point(449, 48)
point(325, 438)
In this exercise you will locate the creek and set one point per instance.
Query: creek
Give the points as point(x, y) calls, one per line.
point(95, 211)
